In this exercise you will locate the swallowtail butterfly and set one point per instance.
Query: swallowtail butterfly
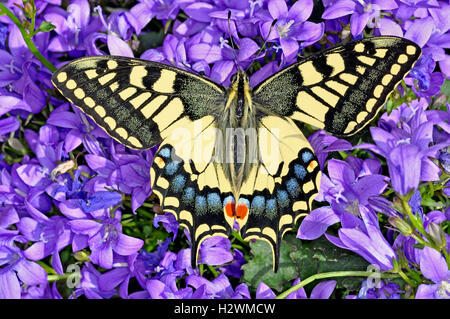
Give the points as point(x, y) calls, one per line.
point(236, 154)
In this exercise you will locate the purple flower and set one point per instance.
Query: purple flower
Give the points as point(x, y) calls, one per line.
point(366, 240)
point(219, 288)
point(169, 223)
point(116, 27)
point(72, 27)
point(3, 34)
point(106, 237)
point(421, 31)
point(405, 139)
point(8, 125)
point(347, 189)
point(381, 291)
point(414, 202)
point(235, 268)
point(19, 75)
point(50, 235)
point(89, 286)
point(323, 143)
point(128, 173)
point(322, 290)
point(101, 200)
point(291, 26)
point(17, 270)
point(362, 12)
point(42, 291)
point(434, 267)
point(145, 10)
point(215, 251)
point(156, 289)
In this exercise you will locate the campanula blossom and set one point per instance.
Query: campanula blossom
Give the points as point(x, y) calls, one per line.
point(291, 26)
point(16, 269)
point(434, 267)
point(105, 239)
point(363, 12)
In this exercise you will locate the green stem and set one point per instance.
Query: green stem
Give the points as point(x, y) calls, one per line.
point(405, 278)
point(331, 275)
point(27, 39)
point(51, 278)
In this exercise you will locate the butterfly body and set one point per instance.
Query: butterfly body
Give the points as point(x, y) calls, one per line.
point(237, 155)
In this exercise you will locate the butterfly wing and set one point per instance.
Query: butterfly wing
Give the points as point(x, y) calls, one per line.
point(142, 103)
point(341, 89)
point(137, 102)
point(283, 186)
point(189, 182)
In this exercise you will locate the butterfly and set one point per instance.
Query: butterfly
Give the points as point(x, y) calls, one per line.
point(235, 158)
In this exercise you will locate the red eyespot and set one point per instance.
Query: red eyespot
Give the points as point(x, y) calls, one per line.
point(241, 211)
point(230, 209)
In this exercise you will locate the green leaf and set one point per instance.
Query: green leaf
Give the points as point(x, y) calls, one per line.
point(151, 40)
point(301, 259)
point(46, 26)
point(445, 89)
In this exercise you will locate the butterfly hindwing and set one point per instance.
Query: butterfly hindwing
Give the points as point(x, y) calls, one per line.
point(341, 89)
point(190, 184)
point(137, 102)
point(283, 186)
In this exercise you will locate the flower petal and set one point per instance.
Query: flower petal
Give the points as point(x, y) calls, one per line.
point(127, 245)
point(277, 8)
point(323, 290)
point(9, 286)
point(433, 265)
point(339, 9)
point(316, 223)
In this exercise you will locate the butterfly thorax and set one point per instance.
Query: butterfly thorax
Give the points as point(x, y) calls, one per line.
point(239, 130)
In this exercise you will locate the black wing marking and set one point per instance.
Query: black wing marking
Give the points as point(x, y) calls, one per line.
point(137, 102)
point(340, 89)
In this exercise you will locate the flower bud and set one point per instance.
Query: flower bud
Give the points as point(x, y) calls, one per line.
point(437, 234)
point(444, 159)
point(62, 168)
point(402, 226)
point(29, 9)
point(17, 145)
point(81, 255)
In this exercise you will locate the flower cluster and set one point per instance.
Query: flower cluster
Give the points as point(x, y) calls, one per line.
point(71, 197)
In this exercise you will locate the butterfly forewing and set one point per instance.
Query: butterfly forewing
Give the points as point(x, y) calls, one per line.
point(340, 90)
point(137, 102)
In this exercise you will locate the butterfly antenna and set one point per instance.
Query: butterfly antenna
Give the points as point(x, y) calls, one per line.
point(263, 44)
point(236, 64)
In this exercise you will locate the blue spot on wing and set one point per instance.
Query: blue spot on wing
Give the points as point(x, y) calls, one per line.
point(164, 152)
point(307, 156)
point(228, 199)
point(178, 183)
point(258, 204)
point(293, 187)
point(271, 208)
point(188, 196)
point(283, 198)
point(214, 202)
point(172, 167)
point(299, 171)
point(200, 204)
